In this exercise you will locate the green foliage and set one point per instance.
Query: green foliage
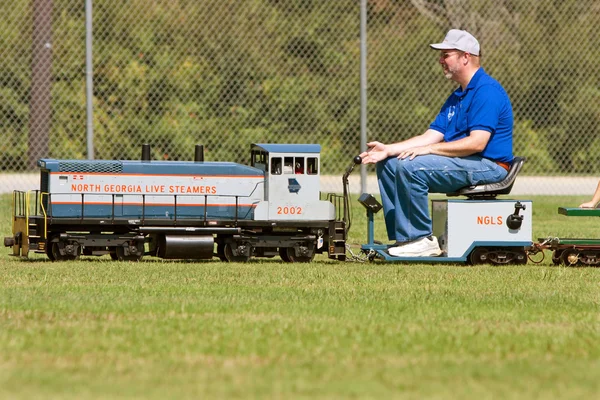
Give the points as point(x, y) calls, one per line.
point(225, 73)
point(533, 145)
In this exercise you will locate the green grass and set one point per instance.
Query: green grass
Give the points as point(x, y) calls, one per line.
point(102, 329)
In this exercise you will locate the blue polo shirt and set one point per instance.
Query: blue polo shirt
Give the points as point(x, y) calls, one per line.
point(483, 105)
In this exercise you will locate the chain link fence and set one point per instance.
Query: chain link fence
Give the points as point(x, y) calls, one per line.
point(228, 73)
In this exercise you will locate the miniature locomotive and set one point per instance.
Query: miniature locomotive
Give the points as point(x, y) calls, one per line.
point(183, 210)
point(272, 207)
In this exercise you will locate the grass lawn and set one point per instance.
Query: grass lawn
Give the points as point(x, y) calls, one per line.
point(102, 329)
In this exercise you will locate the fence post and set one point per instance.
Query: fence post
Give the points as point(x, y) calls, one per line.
point(89, 80)
point(363, 91)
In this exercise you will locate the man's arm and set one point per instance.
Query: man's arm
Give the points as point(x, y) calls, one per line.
point(472, 144)
point(379, 151)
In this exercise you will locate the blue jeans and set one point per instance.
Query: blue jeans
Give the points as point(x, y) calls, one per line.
point(404, 185)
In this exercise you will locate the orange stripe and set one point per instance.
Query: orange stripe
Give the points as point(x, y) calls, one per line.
point(150, 204)
point(182, 175)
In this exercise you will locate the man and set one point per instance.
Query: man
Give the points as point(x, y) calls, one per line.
point(469, 143)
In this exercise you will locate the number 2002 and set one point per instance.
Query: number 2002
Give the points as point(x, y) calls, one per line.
point(289, 210)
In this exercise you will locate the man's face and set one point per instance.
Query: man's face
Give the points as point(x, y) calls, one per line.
point(451, 62)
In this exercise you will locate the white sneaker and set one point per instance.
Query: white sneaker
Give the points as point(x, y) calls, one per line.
point(424, 247)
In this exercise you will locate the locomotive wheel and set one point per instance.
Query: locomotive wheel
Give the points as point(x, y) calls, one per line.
point(229, 256)
point(49, 252)
point(290, 256)
point(56, 256)
point(113, 254)
point(221, 251)
point(570, 258)
point(120, 253)
point(284, 254)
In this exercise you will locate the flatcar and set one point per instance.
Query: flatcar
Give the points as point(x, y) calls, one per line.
point(572, 252)
point(183, 209)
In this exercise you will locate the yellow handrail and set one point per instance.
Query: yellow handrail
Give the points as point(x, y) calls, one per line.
point(44, 213)
point(27, 214)
point(14, 210)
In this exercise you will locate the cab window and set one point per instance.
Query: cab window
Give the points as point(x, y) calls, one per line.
point(312, 165)
point(288, 165)
point(259, 160)
point(276, 166)
point(299, 165)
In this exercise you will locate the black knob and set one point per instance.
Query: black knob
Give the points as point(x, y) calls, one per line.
point(357, 160)
point(514, 221)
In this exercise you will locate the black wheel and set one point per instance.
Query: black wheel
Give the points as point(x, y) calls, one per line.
point(113, 254)
point(556, 257)
point(570, 258)
point(221, 251)
point(120, 253)
point(49, 252)
point(56, 256)
point(292, 257)
point(284, 254)
point(229, 256)
point(479, 256)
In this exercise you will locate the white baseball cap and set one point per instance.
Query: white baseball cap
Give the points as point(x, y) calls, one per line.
point(459, 40)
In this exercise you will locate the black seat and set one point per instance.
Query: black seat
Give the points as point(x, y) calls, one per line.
point(491, 190)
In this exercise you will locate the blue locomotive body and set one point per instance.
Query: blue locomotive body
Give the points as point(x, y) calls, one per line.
point(182, 209)
point(151, 190)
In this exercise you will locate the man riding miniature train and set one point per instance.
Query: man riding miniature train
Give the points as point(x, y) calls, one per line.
point(468, 143)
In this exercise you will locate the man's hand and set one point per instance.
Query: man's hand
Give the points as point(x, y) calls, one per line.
point(415, 151)
point(377, 152)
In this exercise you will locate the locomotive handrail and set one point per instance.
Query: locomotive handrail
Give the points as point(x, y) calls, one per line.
point(112, 218)
point(27, 214)
point(175, 209)
point(18, 203)
point(14, 210)
point(37, 204)
point(205, 209)
point(44, 214)
point(81, 216)
point(82, 205)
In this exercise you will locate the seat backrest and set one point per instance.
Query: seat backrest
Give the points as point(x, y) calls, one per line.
point(491, 190)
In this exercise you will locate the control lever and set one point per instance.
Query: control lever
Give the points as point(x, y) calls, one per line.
point(515, 220)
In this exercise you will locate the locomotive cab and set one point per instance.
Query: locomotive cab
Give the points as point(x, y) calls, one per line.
point(292, 182)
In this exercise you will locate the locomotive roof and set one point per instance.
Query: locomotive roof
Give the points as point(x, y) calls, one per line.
point(288, 148)
point(159, 167)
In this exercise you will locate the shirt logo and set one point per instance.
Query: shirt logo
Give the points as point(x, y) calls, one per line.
point(451, 112)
